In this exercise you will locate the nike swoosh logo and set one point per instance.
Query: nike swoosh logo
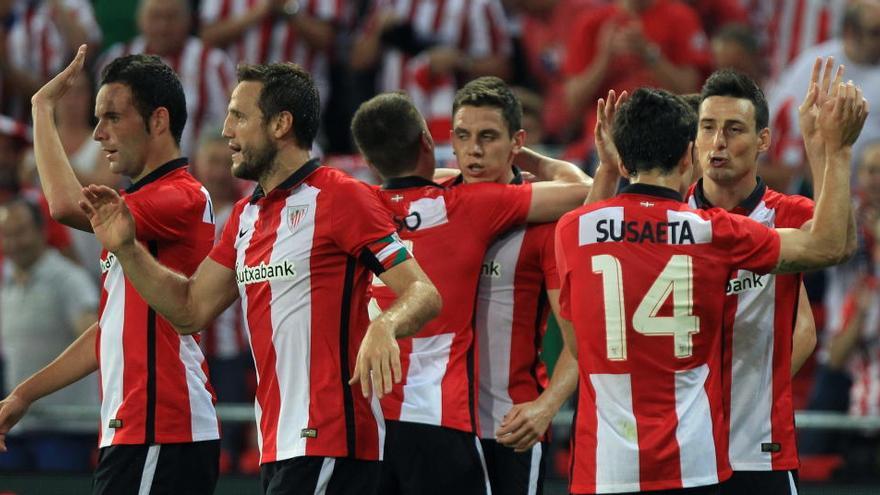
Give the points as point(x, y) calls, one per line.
point(242, 233)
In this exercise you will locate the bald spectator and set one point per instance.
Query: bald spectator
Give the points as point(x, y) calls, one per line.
point(424, 46)
point(207, 74)
point(628, 44)
point(36, 39)
point(299, 31)
point(46, 302)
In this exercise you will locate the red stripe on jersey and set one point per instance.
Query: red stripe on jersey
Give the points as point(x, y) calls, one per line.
point(266, 29)
point(782, 414)
point(135, 412)
point(795, 41)
point(261, 328)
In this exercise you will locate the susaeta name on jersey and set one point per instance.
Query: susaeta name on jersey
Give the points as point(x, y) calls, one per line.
point(609, 225)
point(746, 281)
point(107, 264)
point(282, 270)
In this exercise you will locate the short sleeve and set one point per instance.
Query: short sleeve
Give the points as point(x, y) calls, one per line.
point(745, 243)
point(224, 250)
point(502, 206)
point(548, 256)
point(167, 212)
point(359, 218)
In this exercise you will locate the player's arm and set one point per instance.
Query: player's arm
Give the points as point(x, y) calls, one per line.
point(804, 338)
point(525, 423)
point(60, 185)
point(840, 121)
point(77, 361)
point(187, 303)
point(545, 168)
point(417, 303)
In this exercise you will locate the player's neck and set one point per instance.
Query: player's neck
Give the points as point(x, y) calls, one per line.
point(729, 196)
point(670, 181)
point(157, 156)
point(288, 160)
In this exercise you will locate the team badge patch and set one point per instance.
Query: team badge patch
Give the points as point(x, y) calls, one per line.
point(295, 215)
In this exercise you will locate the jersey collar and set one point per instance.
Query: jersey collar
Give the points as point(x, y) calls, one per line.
point(517, 177)
point(745, 208)
point(292, 181)
point(652, 190)
point(156, 174)
point(408, 182)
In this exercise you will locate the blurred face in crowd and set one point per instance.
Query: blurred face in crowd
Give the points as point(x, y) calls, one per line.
point(121, 130)
point(213, 160)
point(869, 174)
point(165, 25)
point(729, 54)
point(253, 152)
point(21, 237)
point(483, 144)
point(728, 142)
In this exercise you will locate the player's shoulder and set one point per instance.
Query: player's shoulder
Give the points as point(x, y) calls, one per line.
point(541, 229)
point(776, 199)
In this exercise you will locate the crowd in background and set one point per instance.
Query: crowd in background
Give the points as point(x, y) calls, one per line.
point(561, 55)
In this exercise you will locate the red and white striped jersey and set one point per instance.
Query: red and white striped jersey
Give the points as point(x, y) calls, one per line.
point(512, 311)
point(207, 75)
point(476, 27)
point(450, 230)
point(154, 382)
point(787, 148)
point(643, 280)
point(760, 314)
point(35, 44)
point(301, 255)
point(275, 39)
point(864, 363)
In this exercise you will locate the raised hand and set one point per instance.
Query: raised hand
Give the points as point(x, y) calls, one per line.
point(379, 354)
point(842, 117)
point(606, 109)
point(820, 90)
point(52, 91)
point(110, 218)
point(12, 408)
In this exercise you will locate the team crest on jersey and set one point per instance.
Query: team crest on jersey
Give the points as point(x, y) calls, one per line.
point(295, 216)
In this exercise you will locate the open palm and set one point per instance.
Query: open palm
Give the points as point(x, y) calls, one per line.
point(110, 218)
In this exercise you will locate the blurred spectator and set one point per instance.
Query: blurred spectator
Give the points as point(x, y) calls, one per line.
point(715, 14)
point(207, 74)
point(628, 44)
point(46, 302)
point(36, 39)
point(299, 31)
point(423, 46)
point(544, 23)
point(859, 51)
point(116, 18)
point(225, 342)
point(735, 47)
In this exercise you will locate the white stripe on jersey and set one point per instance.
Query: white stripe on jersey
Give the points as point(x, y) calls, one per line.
point(423, 392)
point(292, 322)
point(112, 364)
point(494, 327)
point(696, 448)
point(617, 436)
point(203, 418)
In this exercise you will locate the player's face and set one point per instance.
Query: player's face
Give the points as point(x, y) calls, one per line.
point(727, 141)
point(121, 130)
point(252, 151)
point(483, 145)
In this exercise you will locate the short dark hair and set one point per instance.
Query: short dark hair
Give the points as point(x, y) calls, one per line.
point(287, 87)
point(728, 82)
point(490, 91)
point(652, 130)
point(153, 84)
point(388, 131)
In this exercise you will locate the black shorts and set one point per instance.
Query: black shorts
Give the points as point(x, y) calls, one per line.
point(426, 460)
point(324, 475)
point(697, 490)
point(514, 473)
point(172, 468)
point(761, 483)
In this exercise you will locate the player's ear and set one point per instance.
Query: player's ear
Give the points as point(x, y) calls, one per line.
point(519, 140)
point(160, 121)
point(764, 140)
point(281, 124)
point(623, 171)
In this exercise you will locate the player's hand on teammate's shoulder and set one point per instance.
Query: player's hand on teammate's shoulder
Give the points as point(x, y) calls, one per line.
point(109, 216)
point(12, 408)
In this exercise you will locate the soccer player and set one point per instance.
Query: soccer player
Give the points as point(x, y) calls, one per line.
point(298, 252)
point(771, 327)
point(650, 409)
point(432, 445)
point(518, 286)
point(159, 431)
